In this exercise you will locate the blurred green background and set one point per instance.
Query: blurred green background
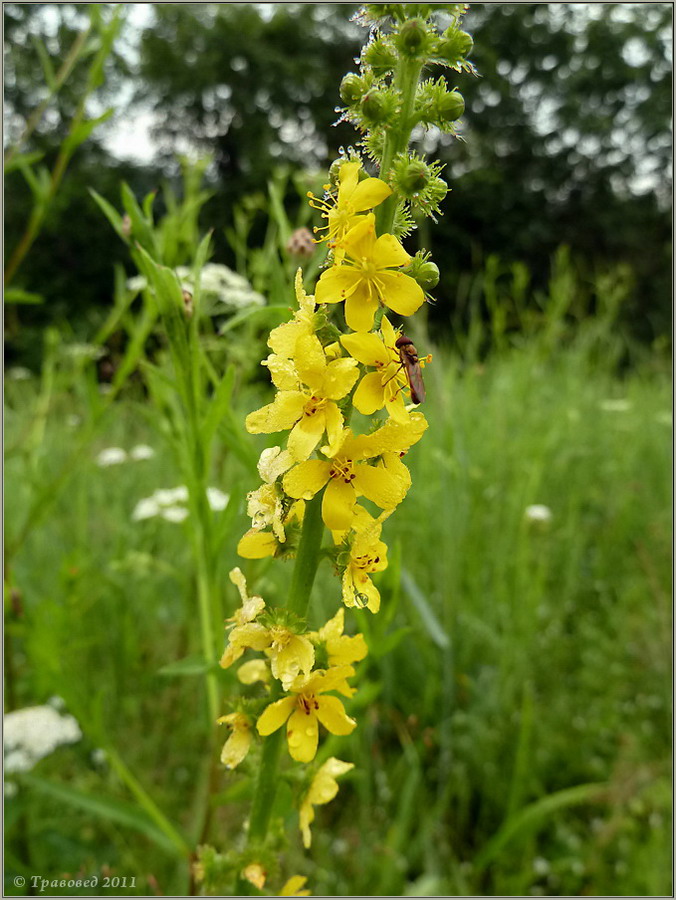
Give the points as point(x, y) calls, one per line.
point(514, 710)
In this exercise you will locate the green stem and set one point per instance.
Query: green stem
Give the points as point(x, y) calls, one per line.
point(397, 139)
point(305, 569)
point(307, 558)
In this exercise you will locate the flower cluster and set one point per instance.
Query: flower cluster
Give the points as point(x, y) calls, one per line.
point(321, 373)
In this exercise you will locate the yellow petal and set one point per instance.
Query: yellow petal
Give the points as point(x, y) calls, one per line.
point(253, 671)
point(334, 427)
point(294, 654)
point(274, 462)
point(369, 396)
point(344, 650)
point(334, 627)
point(282, 340)
point(331, 713)
point(236, 747)
point(302, 734)
point(339, 378)
point(275, 715)
point(305, 435)
point(359, 591)
point(293, 887)
point(369, 193)
point(396, 409)
point(383, 487)
point(360, 240)
point(306, 817)
point(252, 634)
point(401, 293)
point(282, 371)
point(324, 786)
point(359, 311)
point(337, 505)
point(304, 480)
point(348, 176)
point(388, 252)
point(282, 413)
point(336, 284)
point(310, 360)
point(257, 544)
point(367, 348)
point(389, 334)
point(230, 655)
point(255, 874)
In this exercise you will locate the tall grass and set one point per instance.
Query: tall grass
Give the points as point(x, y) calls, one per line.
point(514, 731)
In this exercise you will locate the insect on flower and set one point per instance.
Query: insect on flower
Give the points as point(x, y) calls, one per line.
point(408, 356)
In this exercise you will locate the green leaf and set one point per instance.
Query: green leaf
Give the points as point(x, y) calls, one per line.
point(533, 817)
point(141, 230)
point(429, 620)
point(110, 213)
point(245, 314)
point(190, 665)
point(83, 130)
point(219, 407)
point(45, 62)
point(118, 811)
point(16, 295)
point(21, 160)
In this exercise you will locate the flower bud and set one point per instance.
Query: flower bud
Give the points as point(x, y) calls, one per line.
point(379, 57)
point(352, 88)
point(455, 46)
point(450, 106)
point(300, 244)
point(412, 37)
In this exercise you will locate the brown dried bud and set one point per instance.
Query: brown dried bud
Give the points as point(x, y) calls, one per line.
point(126, 225)
point(301, 243)
point(188, 304)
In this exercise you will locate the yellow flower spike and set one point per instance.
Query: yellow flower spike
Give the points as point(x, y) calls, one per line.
point(294, 887)
point(382, 388)
point(354, 197)
point(237, 745)
point(342, 650)
point(349, 477)
point(255, 874)
point(253, 671)
point(323, 789)
point(307, 707)
point(368, 277)
point(310, 410)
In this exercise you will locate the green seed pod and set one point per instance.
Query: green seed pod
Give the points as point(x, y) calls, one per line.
point(413, 37)
point(450, 106)
point(374, 107)
point(427, 276)
point(414, 178)
point(352, 88)
point(455, 46)
point(380, 58)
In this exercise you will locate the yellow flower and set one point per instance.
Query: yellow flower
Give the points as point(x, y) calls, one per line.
point(245, 632)
point(349, 477)
point(307, 707)
point(310, 409)
point(354, 196)
point(237, 745)
point(341, 649)
point(382, 388)
point(294, 887)
point(282, 339)
point(323, 789)
point(368, 277)
point(368, 554)
point(255, 874)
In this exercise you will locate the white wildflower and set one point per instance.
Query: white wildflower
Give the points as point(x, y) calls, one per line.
point(18, 373)
point(217, 499)
point(111, 456)
point(83, 351)
point(174, 513)
point(145, 509)
point(34, 732)
point(615, 405)
point(137, 283)
point(537, 512)
point(141, 451)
